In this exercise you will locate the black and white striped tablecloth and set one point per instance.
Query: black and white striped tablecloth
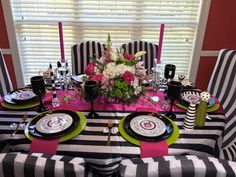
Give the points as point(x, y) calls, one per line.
point(91, 144)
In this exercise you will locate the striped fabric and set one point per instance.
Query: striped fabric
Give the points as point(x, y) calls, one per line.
point(35, 165)
point(5, 81)
point(177, 166)
point(91, 144)
point(148, 58)
point(81, 54)
point(223, 85)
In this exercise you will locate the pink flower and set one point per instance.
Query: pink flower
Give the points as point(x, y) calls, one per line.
point(128, 56)
point(97, 77)
point(90, 69)
point(128, 77)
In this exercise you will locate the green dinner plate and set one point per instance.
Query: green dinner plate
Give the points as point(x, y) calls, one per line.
point(170, 140)
point(68, 136)
point(210, 109)
point(20, 106)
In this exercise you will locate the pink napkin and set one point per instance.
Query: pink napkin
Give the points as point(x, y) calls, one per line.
point(1, 100)
point(153, 149)
point(44, 146)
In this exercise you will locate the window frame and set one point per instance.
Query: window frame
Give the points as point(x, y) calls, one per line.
point(194, 62)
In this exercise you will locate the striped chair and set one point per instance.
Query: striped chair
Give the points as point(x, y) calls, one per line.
point(37, 164)
point(150, 48)
point(181, 166)
point(223, 86)
point(5, 81)
point(81, 54)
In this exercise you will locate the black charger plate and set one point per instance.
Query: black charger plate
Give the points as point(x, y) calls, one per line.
point(168, 132)
point(34, 132)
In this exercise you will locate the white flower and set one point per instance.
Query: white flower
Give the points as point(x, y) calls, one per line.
point(113, 56)
point(139, 54)
point(137, 90)
point(112, 70)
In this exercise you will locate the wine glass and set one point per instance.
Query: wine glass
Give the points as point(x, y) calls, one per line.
point(91, 93)
point(173, 93)
point(169, 72)
point(38, 87)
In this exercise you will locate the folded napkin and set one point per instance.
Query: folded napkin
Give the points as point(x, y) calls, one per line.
point(152, 149)
point(1, 100)
point(48, 146)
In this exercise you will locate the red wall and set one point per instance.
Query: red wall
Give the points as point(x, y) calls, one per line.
point(4, 43)
point(220, 34)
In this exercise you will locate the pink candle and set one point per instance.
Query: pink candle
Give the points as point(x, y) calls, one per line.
point(160, 43)
point(61, 42)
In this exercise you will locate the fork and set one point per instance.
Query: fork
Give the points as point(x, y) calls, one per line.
point(109, 125)
point(24, 118)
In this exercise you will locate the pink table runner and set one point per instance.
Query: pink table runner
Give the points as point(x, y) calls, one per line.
point(77, 104)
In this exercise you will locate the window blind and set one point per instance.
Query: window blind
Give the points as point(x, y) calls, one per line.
point(36, 23)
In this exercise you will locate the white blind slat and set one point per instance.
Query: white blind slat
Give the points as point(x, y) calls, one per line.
point(36, 23)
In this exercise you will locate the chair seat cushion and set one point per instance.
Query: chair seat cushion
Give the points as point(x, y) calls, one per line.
point(27, 165)
point(189, 165)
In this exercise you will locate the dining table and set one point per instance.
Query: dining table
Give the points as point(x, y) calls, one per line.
point(91, 143)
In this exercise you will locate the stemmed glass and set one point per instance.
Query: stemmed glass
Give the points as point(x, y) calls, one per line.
point(38, 87)
point(173, 93)
point(91, 93)
point(169, 72)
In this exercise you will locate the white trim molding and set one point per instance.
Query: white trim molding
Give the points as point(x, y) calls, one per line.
point(13, 42)
point(201, 28)
point(6, 51)
point(210, 53)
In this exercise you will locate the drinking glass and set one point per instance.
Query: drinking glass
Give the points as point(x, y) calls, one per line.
point(38, 87)
point(91, 91)
point(173, 93)
point(169, 72)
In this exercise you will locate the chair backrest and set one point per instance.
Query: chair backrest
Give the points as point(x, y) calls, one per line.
point(26, 165)
point(5, 81)
point(150, 48)
point(81, 54)
point(222, 85)
point(189, 165)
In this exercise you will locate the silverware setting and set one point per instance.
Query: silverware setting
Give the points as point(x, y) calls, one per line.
point(24, 118)
point(109, 126)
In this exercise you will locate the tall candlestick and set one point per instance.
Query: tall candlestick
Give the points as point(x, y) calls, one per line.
point(61, 42)
point(160, 43)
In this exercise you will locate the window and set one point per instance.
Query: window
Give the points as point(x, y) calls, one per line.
point(36, 23)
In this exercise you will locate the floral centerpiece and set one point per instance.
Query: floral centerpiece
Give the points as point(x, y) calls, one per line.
point(119, 74)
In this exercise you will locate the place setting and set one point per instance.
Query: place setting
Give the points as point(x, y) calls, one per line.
point(62, 124)
point(25, 98)
point(193, 95)
point(20, 99)
point(149, 127)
